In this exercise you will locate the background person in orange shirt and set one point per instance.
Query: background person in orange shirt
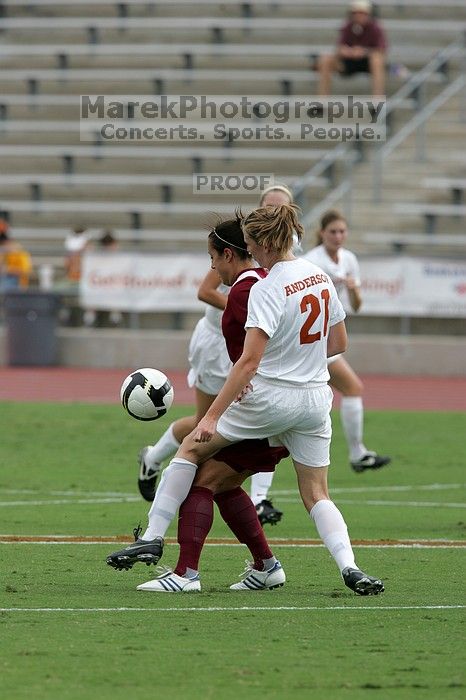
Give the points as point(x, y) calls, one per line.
point(15, 262)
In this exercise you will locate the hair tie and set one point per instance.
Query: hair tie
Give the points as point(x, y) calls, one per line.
point(228, 242)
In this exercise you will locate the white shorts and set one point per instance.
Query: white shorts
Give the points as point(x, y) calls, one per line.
point(296, 417)
point(208, 359)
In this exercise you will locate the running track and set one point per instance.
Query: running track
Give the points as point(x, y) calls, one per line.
point(102, 386)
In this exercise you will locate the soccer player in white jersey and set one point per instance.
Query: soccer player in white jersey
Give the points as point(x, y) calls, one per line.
point(209, 365)
point(277, 389)
point(342, 267)
point(272, 196)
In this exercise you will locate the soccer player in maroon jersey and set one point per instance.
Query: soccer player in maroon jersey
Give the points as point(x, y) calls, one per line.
point(220, 478)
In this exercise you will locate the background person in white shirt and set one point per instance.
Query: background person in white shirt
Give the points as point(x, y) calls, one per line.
point(343, 268)
point(295, 320)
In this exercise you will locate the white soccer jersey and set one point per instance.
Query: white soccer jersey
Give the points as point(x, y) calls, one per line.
point(295, 305)
point(347, 265)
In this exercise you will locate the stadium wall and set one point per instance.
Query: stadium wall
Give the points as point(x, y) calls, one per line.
point(368, 354)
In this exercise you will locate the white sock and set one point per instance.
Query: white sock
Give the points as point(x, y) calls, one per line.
point(352, 419)
point(260, 485)
point(269, 563)
point(174, 487)
point(163, 448)
point(190, 573)
point(334, 533)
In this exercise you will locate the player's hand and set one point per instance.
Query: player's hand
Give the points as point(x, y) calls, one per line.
point(359, 52)
point(247, 389)
point(205, 430)
point(350, 282)
point(346, 51)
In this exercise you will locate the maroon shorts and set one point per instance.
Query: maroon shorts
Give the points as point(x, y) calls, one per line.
point(251, 455)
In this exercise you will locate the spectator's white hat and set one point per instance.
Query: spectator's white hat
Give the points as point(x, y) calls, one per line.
point(361, 6)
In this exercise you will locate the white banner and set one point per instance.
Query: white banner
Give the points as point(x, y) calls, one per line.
point(136, 282)
point(395, 286)
point(404, 286)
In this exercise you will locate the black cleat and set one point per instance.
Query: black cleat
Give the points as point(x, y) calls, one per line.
point(361, 583)
point(370, 461)
point(140, 551)
point(267, 514)
point(147, 480)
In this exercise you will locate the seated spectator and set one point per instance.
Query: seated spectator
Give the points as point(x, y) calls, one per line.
point(75, 245)
point(15, 262)
point(361, 48)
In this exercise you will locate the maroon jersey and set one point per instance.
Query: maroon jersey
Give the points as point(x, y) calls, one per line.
point(236, 311)
point(247, 455)
point(369, 36)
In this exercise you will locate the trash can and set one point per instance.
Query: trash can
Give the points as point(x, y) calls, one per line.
point(31, 319)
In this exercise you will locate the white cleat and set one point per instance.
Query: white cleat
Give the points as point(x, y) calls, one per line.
point(254, 580)
point(169, 582)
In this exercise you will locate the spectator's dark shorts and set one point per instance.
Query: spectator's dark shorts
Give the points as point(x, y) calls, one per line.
point(355, 65)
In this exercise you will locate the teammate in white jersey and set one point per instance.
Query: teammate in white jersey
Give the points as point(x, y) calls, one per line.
point(276, 389)
point(343, 268)
point(273, 196)
point(209, 365)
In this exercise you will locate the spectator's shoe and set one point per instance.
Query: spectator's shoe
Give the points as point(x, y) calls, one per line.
point(361, 583)
point(169, 582)
point(256, 110)
point(267, 513)
point(316, 112)
point(254, 580)
point(145, 552)
point(371, 460)
point(147, 480)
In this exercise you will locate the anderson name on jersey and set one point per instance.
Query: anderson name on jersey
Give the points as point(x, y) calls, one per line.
point(295, 305)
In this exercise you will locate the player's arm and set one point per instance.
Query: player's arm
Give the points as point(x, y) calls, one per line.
point(354, 293)
point(240, 375)
point(337, 340)
point(209, 293)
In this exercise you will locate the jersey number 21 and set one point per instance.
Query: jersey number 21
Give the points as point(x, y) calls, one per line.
point(314, 305)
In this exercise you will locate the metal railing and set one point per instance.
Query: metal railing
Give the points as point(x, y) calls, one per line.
point(414, 88)
point(411, 94)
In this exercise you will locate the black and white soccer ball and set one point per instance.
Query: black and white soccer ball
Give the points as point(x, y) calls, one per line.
point(147, 394)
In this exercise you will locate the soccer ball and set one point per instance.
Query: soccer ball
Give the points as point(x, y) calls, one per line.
point(146, 394)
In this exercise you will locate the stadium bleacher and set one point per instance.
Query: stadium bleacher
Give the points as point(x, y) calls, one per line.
point(50, 52)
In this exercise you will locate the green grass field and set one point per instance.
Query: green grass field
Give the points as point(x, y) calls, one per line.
point(72, 627)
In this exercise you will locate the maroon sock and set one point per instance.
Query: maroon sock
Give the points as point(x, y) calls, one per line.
point(239, 513)
point(195, 519)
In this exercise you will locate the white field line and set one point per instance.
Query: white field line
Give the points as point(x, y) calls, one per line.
point(364, 489)
point(287, 608)
point(276, 543)
point(137, 499)
point(397, 504)
point(71, 497)
point(69, 502)
point(288, 492)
